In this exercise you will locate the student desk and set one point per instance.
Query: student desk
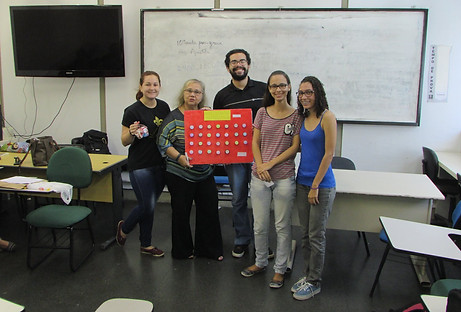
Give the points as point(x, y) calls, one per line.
point(450, 162)
point(106, 184)
point(8, 306)
point(363, 196)
point(435, 303)
point(422, 239)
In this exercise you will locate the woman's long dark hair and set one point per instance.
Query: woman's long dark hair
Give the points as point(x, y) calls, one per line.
point(268, 100)
point(321, 102)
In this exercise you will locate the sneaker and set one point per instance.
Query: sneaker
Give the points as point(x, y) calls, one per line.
point(239, 251)
point(153, 252)
point(270, 254)
point(298, 284)
point(307, 291)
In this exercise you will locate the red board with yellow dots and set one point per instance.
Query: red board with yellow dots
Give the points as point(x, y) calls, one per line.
point(218, 136)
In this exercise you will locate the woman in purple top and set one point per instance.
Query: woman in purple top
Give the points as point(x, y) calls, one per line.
point(315, 183)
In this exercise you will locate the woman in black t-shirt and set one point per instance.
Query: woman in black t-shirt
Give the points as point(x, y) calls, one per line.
point(140, 125)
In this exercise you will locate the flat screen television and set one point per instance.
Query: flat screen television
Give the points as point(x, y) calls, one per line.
point(68, 41)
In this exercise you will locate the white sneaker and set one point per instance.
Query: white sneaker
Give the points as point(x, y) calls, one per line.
point(298, 284)
point(307, 291)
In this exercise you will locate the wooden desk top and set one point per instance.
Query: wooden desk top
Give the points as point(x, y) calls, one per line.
point(99, 162)
point(421, 238)
point(386, 184)
point(450, 162)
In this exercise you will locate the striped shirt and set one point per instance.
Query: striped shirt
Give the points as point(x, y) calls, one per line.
point(171, 133)
point(276, 136)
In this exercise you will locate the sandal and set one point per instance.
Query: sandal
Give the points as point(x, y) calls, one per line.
point(10, 248)
point(118, 236)
point(277, 283)
point(249, 273)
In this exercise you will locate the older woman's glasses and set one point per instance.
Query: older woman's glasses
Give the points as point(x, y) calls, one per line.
point(282, 86)
point(196, 92)
point(307, 92)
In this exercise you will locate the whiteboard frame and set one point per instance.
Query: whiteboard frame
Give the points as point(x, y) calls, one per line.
point(422, 13)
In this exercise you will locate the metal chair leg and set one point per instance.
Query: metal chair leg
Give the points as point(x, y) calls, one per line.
point(386, 252)
point(365, 241)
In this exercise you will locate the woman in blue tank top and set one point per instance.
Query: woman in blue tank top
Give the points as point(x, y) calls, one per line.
point(315, 182)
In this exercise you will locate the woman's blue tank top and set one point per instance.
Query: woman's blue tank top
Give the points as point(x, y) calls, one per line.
point(312, 152)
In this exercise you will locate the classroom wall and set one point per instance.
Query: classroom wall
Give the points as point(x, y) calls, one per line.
point(372, 147)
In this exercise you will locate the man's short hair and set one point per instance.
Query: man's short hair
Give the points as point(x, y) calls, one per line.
point(227, 60)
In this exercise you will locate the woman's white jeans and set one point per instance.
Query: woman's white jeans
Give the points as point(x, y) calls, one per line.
point(281, 194)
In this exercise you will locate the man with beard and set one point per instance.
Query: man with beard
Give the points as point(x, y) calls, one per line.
point(242, 92)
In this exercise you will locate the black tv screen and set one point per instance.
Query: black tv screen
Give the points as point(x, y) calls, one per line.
point(68, 41)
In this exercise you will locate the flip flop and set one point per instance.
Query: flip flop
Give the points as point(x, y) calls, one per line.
point(11, 247)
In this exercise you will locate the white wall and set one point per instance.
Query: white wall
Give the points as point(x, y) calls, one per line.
point(81, 110)
point(372, 147)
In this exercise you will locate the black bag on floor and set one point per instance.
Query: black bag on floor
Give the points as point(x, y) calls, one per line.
point(95, 142)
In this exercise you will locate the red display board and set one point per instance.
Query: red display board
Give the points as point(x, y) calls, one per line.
point(220, 136)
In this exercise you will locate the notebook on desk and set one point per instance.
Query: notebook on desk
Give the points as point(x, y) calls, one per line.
point(456, 238)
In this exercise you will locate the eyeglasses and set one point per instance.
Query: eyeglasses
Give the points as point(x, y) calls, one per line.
point(307, 92)
point(235, 62)
point(282, 86)
point(196, 92)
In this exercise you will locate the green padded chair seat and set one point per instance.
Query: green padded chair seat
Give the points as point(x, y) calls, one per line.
point(442, 287)
point(57, 216)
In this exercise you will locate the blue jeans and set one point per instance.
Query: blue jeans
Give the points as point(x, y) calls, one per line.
point(148, 184)
point(282, 195)
point(313, 221)
point(239, 177)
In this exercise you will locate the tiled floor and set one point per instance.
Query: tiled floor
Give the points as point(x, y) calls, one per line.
point(199, 284)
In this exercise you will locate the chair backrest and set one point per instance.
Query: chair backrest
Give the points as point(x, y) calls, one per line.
point(456, 216)
point(339, 162)
point(430, 163)
point(126, 304)
point(220, 175)
point(70, 165)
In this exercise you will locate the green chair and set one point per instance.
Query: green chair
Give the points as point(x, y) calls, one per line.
point(70, 165)
point(443, 286)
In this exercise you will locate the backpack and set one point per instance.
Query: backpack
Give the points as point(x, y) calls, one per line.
point(95, 142)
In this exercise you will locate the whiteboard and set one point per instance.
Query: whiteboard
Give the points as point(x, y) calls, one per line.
point(370, 61)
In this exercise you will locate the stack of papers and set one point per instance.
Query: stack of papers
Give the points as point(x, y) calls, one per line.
point(18, 182)
point(38, 185)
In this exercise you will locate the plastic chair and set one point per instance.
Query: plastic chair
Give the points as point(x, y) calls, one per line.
point(70, 165)
point(126, 304)
point(456, 217)
point(339, 162)
point(443, 286)
point(222, 183)
point(448, 187)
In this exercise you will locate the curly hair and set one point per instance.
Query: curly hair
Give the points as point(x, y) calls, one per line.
point(321, 102)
